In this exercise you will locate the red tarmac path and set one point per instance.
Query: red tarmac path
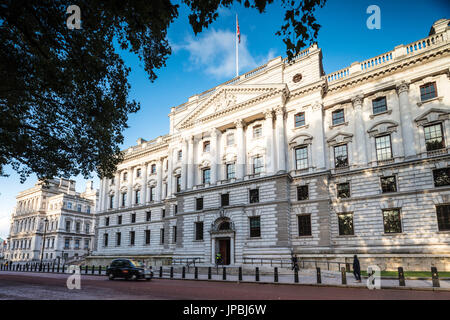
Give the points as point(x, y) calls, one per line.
point(16, 285)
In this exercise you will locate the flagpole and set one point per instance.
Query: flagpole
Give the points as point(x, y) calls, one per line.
point(237, 48)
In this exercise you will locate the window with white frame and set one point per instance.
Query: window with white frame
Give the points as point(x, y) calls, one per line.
point(383, 147)
point(258, 164)
point(301, 158)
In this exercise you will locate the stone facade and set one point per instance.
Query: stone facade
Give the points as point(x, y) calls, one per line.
point(60, 214)
point(286, 158)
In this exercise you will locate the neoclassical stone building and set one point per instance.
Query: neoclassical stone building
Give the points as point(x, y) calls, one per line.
point(287, 158)
point(56, 211)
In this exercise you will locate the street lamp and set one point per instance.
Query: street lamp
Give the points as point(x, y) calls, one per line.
point(43, 241)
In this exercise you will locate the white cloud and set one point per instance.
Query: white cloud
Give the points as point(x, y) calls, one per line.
point(214, 52)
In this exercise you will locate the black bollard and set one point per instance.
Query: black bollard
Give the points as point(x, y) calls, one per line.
point(295, 275)
point(224, 276)
point(183, 273)
point(171, 272)
point(275, 274)
point(343, 275)
point(63, 268)
point(240, 273)
point(100, 269)
point(196, 273)
point(53, 268)
point(435, 277)
point(160, 271)
point(319, 275)
point(86, 270)
point(93, 269)
point(257, 274)
point(401, 277)
point(209, 273)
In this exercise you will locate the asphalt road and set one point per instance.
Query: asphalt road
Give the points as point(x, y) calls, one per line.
point(40, 286)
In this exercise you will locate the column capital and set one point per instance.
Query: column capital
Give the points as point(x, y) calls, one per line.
point(268, 113)
point(317, 106)
point(402, 87)
point(215, 132)
point(239, 123)
point(279, 110)
point(357, 100)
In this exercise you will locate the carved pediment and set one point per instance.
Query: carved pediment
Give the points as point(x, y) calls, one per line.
point(301, 139)
point(229, 98)
point(382, 127)
point(432, 115)
point(340, 137)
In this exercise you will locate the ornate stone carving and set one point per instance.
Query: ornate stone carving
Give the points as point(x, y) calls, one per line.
point(268, 113)
point(317, 106)
point(357, 101)
point(279, 110)
point(227, 100)
point(402, 87)
point(239, 123)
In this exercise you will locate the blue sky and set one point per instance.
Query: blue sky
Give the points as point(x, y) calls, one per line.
point(199, 63)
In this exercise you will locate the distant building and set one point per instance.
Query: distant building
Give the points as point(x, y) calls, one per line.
point(56, 211)
point(289, 159)
point(3, 246)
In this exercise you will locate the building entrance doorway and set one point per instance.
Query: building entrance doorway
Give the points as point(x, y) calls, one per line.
point(224, 250)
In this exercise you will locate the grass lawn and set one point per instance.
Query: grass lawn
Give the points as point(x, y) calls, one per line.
point(418, 274)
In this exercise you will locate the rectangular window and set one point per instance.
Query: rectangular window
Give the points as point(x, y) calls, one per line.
point(257, 131)
point(301, 158)
point(175, 208)
point(69, 205)
point(107, 221)
point(392, 221)
point(343, 190)
point(199, 231)
point(224, 199)
point(345, 224)
point(118, 238)
point(340, 156)
point(77, 244)
point(87, 228)
point(174, 234)
point(105, 239)
point(383, 147)
point(86, 244)
point(379, 105)
point(132, 237)
point(443, 217)
point(138, 173)
point(180, 155)
point(137, 199)
point(434, 138)
point(152, 193)
point(119, 219)
point(441, 177)
point(163, 213)
point(338, 117)
point(133, 217)
point(304, 225)
point(153, 168)
point(161, 239)
point(258, 165)
point(77, 227)
point(299, 119)
point(255, 227)
point(206, 146)
point(428, 91)
point(79, 207)
point(111, 202)
point(68, 226)
point(66, 243)
point(147, 236)
point(178, 182)
point(230, 139)
point(254, 195)
point(148, 216)
point(302, 193)
point(125, 175)
point(388, 184)
point(199, 204)
point(231, 171)
point(206, 175)
point(124, 199)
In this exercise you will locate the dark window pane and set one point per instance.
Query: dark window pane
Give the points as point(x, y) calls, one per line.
point(434, 139)
point(300, 119)
point(441, 177)
point(199, 231)
point(443, 217)
point(338, 117)
point(388, 184)
point(231, 171)
point(206, 175)
point(392, 222)
point(258, 165)
point(304, 225)
point(379, 105)
point(345, 224)
point(132, 235)
point(147, 236)
point(199, 204)
point(428, 91)
point(118, 238)
point(343, 190)
point(340, 156)
point(161, 236)
point(302, 193)
point(383, 147)
point(149, 216)
point(225, 199)
point(133, 218)
point(254, 195)
point(301, 158)
point(255, 227)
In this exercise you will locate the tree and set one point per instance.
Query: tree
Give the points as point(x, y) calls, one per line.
point(64, 93)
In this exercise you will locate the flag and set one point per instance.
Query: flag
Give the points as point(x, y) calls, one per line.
point(238, 33)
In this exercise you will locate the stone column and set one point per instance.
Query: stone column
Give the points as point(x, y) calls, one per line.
point(240, 145)
point(159, 186)
point(130, 187)
point(281, 141)
point(144, 184)
point(360, 133)
point(100, 202)
point(270, 146)
point(406, 122)
point(184, 150)
point(105, 194)
point(214, 155)
point(190, 163)
point(169, 174)
point(117, 190)
point(318, 147)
